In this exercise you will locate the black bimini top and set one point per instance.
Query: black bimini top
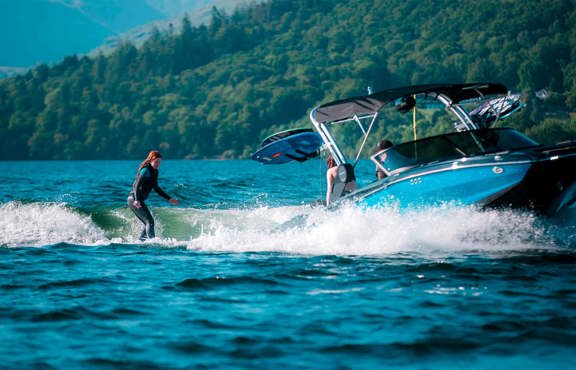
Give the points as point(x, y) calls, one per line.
point(370, 104)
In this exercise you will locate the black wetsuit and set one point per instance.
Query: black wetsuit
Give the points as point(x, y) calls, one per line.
point(146, 180)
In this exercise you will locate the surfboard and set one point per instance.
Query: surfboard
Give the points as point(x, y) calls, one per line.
point(498, 108)
point(290, 145)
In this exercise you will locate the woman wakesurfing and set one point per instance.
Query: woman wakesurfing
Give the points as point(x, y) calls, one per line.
point(146, 180)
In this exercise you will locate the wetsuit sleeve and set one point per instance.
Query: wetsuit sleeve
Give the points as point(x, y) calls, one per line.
point(161, 192)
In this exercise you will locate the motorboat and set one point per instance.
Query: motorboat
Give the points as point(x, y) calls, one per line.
point(471, 161)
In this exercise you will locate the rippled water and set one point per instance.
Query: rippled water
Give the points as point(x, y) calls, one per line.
point(230, 284)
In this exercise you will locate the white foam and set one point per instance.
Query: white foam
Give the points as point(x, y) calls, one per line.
point(354, 231)
point(347, 231)
point(40, 224)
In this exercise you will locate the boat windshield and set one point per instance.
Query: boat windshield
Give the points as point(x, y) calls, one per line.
point(450, 146)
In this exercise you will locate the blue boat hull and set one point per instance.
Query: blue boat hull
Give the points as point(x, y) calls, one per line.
point(518, 181)
point(436, 186)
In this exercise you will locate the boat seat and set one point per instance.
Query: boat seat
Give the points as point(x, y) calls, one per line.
point(345, 181)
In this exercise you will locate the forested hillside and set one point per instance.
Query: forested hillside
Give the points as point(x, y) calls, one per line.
point(215, 91)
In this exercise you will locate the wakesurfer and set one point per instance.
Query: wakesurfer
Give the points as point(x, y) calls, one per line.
point(146, 180)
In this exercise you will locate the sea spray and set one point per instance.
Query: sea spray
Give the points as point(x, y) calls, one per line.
point(356, 231)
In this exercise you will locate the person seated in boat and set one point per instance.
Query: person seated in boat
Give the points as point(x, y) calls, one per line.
point(406, 104)
point(331, 174)
point(383, 144)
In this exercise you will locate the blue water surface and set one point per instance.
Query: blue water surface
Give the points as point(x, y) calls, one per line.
point(232, 282)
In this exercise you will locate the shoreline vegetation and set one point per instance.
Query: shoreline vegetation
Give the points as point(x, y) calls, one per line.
point(215, 91)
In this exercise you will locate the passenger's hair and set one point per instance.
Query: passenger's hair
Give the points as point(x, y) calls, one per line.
point(330, 162)
point(384, 144)
point(151, 156)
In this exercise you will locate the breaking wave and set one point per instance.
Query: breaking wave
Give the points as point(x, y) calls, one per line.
point(294, 230)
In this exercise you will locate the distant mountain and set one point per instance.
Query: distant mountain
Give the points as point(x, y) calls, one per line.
point(175, 8)
point(11, 71)
point(46, 31)
point(114, 15)
point(38, 31)
point(198, 12)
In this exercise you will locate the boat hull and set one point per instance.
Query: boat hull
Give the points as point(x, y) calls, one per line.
point(548, 187)
point(516, 180)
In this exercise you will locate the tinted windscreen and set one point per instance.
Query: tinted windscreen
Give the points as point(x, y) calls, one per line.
point(453, 146)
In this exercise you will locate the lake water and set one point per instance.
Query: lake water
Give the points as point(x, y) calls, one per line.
point(228, 284)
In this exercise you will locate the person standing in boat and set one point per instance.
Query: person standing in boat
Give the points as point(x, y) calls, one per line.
point(331, 173)
point(146, 180)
